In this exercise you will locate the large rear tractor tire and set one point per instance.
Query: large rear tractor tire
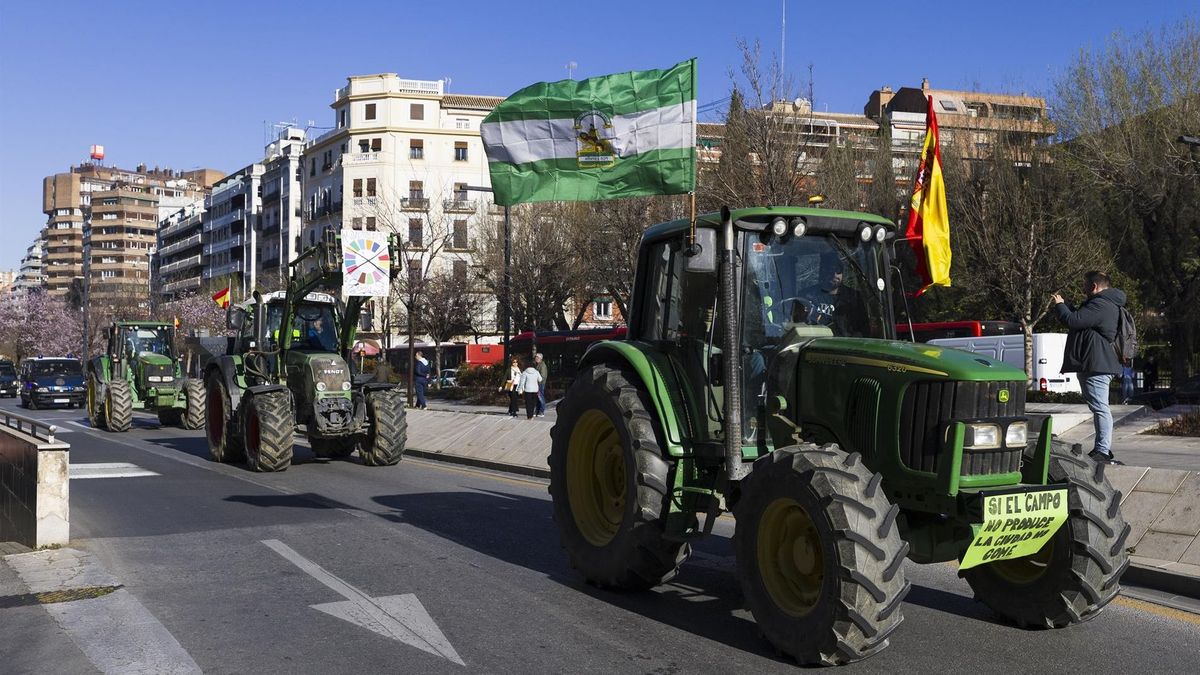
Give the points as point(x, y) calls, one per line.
point(334, 448)
point(118, 406)
point(387, 429)
point(193, 412)
point(223, 444)
point(1079, 570)
point(95, 411)
point(819, 554)
point(609, 483)
point(268, 428)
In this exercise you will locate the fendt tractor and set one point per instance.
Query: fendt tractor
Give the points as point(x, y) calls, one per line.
point(761, 375)
point(139, 371)
point(289, 365)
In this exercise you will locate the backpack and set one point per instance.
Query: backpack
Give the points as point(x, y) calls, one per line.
point(1125, 343)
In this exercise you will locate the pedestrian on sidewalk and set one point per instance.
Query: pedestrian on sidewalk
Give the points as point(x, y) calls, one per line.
point(531, 381)
point(1091, 330)
point(512, 386)
point(539, 362)
point(421, 379)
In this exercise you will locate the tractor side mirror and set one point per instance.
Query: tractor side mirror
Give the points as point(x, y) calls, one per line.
point(702, 256)
point(235, 318)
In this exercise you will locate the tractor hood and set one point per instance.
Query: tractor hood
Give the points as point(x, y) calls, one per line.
point(152, 359)
point(928, 360)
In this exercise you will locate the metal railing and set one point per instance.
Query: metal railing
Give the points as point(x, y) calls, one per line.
point(30, 427)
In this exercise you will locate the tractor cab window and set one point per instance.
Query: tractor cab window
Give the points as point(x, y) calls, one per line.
point(313, 327)
point(810, 286)
point(146, 340)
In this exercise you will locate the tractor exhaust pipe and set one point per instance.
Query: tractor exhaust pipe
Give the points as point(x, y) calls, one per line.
point(735, 468)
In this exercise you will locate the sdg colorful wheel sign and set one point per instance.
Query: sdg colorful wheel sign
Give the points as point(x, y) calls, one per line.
point(366, 263)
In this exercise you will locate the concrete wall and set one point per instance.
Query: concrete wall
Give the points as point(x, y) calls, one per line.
point(34, 490)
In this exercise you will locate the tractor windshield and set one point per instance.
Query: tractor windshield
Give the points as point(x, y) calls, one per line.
point(814, 285)
point(140, 340)
point(313, 328)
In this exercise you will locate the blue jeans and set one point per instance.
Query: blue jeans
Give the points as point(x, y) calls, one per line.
point(419, 384)
point(541, 403)
point(1095, 392)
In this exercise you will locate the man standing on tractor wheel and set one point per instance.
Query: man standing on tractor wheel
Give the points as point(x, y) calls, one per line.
point(1089, 351)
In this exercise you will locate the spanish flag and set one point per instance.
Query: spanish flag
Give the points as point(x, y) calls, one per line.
point(221, 297)
point(928, 229)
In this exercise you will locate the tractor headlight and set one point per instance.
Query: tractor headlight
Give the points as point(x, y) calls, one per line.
point(1016, 435)
point(880, 233)
point(981, 436)
point(153, 378)
point(799, 227)
point(168, 378)
point(320, 386)
point(345, 386)
point(865, 233)
point(779, 227)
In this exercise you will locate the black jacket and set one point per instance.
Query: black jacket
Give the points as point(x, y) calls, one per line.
point(1091, 331)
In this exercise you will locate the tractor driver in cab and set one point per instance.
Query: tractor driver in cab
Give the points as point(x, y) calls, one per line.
point(817, 304)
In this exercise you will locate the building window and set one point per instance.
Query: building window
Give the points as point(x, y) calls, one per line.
point(364, 145)
point(460, 271)
point(342, 118)
point(370, 187)
point(416, 111)
point(416, 233)
point(460, 234)
point(376, 144)
point(370, 111)
point(357, 187)
point(416, 149)
point(356, 223)
point(602, 309)
point(462, 123)
point(371, 223)
point(460, 151)
point(416, 189)
point(312, 168)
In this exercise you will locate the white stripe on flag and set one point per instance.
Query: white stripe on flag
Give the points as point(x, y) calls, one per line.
point(524, 141)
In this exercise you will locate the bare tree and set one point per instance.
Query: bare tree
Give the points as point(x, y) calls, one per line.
point(1120, 111)
point(450, 308)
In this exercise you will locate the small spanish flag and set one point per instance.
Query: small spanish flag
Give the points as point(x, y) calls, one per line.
point(176, 323)
point(928, 229)
point(221, 297)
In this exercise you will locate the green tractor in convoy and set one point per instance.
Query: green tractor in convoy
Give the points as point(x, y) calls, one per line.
point(139, 371)
point(762, 376)
point(289, 364)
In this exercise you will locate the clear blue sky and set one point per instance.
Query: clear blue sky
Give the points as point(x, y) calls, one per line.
point(190, 84)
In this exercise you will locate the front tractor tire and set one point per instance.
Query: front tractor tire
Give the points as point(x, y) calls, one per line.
point(268, 431)
point(223, 444)
point(194, 405)
point(609, 483)
point(819, 554)
point(1078, 572)
point(387, 429)
point(118, 406)
point(94, 402)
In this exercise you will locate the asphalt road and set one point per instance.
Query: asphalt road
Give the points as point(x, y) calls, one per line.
point(480, 553)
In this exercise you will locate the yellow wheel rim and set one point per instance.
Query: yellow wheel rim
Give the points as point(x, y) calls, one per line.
point(91, 398)
point(596, 478)
point(790, 560)
point(1027, 569)
point(108, 407)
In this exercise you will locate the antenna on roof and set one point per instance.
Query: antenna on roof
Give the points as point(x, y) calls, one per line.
point(571, 66)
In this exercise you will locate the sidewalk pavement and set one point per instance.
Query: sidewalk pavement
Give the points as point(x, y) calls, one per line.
point(1161, 504)
point(1130, 443)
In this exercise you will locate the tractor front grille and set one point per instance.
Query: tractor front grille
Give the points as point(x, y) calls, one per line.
point(929, 406)
point(158, 375)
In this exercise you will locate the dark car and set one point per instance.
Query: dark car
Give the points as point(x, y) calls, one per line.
point(9, 382)
point(48, 382)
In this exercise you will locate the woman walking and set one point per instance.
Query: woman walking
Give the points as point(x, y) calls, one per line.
point(512, 386)
point(531, 383)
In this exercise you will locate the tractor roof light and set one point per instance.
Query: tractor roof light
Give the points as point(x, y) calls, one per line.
point(865, 233)
point(799, 227)
point(779, 226)
point(880, 234)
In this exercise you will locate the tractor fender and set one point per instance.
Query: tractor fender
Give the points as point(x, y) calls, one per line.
point(225, 367)
point(656, 377)
point(101, 366)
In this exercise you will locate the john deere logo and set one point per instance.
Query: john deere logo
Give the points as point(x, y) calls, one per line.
point(594, 135)
point(1003, 396)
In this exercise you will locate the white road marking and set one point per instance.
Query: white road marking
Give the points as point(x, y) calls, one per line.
point(108, 470)
point(73, 423)
point(115, 631)
point(399, 617)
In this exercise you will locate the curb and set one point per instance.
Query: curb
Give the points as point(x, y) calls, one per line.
point(479, 463)
point(1163, 580)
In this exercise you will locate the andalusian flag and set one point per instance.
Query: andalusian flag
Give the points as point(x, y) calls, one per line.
point(602, 138)
point(221, 297)
point(928, 220)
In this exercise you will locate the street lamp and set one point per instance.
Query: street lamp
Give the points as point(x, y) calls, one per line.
point(505, 302)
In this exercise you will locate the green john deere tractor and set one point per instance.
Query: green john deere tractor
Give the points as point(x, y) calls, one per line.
point(139, 371)
point(762, 376)
point(289, 365)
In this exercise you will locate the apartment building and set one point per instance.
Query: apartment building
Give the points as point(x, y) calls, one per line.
point(279, 240)
point(400, 158)
point(230, 225)
point(29, 276)
point(101, 227)
point(178, 261)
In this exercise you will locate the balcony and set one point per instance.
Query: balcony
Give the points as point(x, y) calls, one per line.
point(495, 210)
point(322, 211)
point(181, 285)
point(179, 265)
point(217, 271)
point(218, 221)
point(181, 226)
point(361, 158)
point(458, 205)
point(414, 203)
point(180, 245)
point(223, 245)
point(366, 201)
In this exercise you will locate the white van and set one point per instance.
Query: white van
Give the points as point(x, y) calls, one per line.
point(1047, 356)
